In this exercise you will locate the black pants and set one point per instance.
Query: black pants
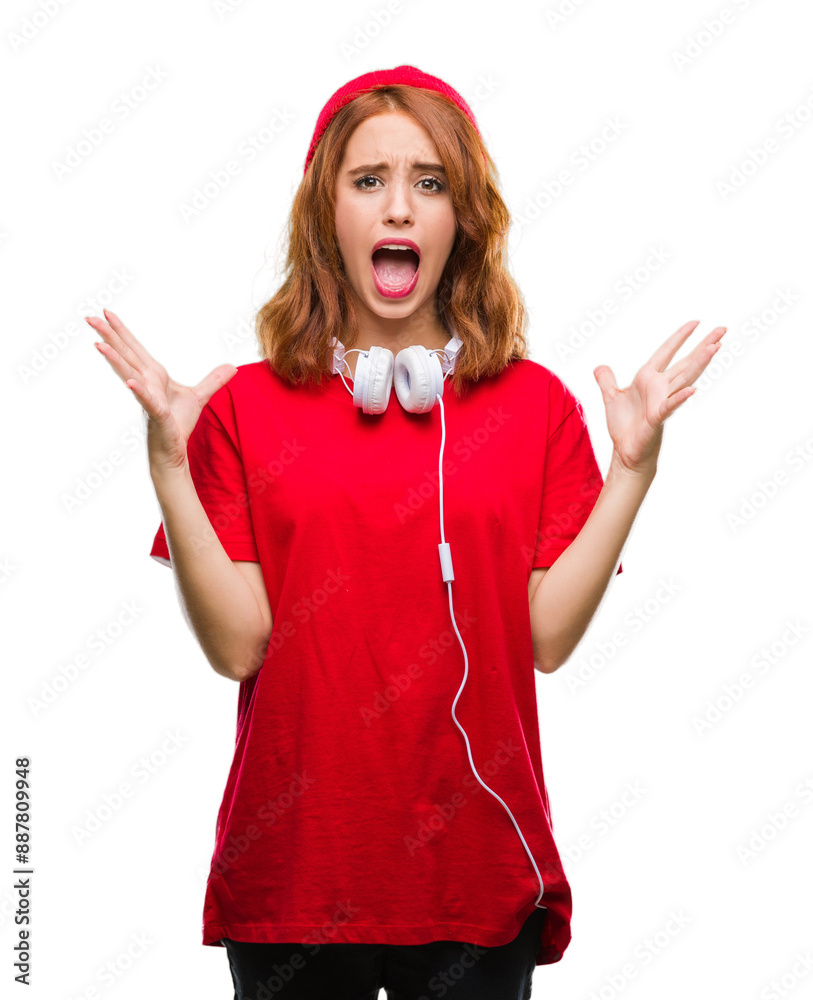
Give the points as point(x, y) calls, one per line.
point(452, 969)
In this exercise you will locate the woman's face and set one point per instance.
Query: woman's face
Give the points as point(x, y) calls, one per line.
point(391, 187)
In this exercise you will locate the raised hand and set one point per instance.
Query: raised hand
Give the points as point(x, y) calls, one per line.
point(635, 415)
point(172, 409)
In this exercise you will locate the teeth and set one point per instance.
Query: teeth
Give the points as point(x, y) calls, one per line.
point(394, 246)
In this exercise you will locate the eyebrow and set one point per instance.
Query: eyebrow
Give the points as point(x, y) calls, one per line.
point(382, 167)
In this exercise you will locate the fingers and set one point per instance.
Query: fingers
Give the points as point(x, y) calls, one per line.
point(120, 338)
point(128, 340)
point(715, 336)
point(685, 371)
point(606, 381)
point(664, 354)
point(671, 403)
point(216, 378)
point(122, 367)
point(132, 377)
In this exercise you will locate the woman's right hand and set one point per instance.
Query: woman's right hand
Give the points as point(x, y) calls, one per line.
point(172, 409)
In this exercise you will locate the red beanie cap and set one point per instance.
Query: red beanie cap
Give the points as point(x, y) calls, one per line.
point(409, 75)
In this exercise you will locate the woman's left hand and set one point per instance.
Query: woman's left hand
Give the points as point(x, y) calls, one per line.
point(635, 415)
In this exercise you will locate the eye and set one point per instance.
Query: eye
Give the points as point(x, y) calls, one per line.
point(371, 177)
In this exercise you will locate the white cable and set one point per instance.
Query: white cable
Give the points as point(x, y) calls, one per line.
point(466, 660)
point(341, 373)
point(445, 556)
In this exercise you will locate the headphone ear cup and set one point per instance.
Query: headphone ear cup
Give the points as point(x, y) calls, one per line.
point(418, 378)
point(373, 380)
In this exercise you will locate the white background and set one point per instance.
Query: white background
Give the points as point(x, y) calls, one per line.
point(716, 569)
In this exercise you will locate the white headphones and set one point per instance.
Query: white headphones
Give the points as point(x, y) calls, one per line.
point(418, 375)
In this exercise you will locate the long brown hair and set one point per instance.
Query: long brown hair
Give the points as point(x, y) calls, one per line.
point(476, 297)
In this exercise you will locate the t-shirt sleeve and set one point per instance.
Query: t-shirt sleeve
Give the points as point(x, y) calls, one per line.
point(572, 483)
point(217, 471)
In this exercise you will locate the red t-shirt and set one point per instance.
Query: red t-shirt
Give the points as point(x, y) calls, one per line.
point(351, 812)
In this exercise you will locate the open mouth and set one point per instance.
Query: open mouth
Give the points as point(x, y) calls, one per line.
point(395, 271)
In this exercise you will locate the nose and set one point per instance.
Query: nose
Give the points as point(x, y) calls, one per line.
point(398, 206)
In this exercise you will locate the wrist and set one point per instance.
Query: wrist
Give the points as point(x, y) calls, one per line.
point(643, 472)
point(162, 474)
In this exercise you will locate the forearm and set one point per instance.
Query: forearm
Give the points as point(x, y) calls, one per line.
point(570, 592)
point(216, 600)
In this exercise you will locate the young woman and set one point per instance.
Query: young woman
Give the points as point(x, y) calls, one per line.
point(382, 576)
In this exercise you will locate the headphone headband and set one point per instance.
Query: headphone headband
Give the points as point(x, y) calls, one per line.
point(447, 356)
